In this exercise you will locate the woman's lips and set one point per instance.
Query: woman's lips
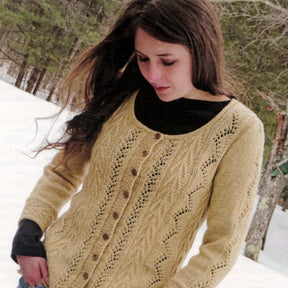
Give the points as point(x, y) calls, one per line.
point(160, 89)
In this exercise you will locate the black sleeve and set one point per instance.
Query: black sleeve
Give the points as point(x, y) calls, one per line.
point(27, 241)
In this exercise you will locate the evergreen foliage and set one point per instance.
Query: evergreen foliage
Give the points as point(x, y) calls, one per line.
point(50, 33)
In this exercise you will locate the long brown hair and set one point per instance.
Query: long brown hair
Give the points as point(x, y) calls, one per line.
point(108, 72)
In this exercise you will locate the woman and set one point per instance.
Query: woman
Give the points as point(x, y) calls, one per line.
point(160, 146)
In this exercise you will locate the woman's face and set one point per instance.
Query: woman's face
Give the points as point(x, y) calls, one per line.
point(166, 66)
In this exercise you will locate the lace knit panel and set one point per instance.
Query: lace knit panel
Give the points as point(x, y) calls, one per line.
point(130, 225)
point(91, 194)
point(143, 200)
point(156, 215)
point(240, 207)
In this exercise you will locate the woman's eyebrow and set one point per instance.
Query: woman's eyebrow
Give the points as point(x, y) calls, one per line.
point(138, 52)
point(161, 55)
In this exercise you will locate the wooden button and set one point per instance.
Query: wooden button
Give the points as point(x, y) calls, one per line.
point(134, 172)
point(95, 257)
point(115, 215)
point(126, 194)
point(85, 275)
point(105, 236)
point(157, 136)
point(144, 153)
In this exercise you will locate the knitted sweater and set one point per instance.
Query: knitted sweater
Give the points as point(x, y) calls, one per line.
point(144, 196)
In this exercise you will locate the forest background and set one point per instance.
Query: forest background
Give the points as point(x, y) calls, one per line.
point(40, 39)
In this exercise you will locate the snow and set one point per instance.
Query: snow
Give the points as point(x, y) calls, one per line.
point(19, 174)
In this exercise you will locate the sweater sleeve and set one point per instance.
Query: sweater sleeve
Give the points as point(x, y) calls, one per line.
point(231, 204)
point(55, 188)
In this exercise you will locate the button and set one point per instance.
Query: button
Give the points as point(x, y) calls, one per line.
point(95, 257)
point(105, 236)
point(144, 153)
point(85, 275)
point(157, 136)
point(126, 194)
point(134, 172)
point(115, 215)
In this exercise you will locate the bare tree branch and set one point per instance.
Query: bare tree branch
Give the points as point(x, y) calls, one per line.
point(7, 56)
point(266, 2)
point(272, 103)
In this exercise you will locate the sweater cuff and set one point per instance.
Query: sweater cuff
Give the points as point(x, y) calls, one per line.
point(27, 242)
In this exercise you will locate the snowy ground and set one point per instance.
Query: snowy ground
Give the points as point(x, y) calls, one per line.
point(19, 174)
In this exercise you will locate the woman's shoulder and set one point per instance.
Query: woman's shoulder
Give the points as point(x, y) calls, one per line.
point(244, 117)
point(243, 111)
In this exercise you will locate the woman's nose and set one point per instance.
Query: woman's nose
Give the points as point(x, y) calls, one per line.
point(153, 74)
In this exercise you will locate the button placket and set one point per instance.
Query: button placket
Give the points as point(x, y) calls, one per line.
point(133, 169)
point(114, 216)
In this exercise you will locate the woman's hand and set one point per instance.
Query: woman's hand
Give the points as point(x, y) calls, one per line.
point(34, 269)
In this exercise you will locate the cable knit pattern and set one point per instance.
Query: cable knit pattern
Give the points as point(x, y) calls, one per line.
point(144, 196)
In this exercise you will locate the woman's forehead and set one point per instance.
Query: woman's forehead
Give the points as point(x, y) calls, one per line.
point(147, 44)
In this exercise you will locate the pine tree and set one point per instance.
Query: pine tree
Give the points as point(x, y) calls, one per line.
point(46, 36)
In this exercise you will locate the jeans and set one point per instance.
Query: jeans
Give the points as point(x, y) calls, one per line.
point(22, 284)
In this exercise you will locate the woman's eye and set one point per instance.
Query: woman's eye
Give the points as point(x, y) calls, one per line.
point(168, 63)
point(142, 59)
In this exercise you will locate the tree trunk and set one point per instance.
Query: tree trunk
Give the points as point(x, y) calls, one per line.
point(74, 49)
point(55, 83)
point(40, 78)
point(260, 224)
point(269, 191)
point(285, 205)
point(49, 98)
point(21, 72)
point(4, 36)
point(32, 79)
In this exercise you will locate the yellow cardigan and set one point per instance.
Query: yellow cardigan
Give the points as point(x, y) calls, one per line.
point(144, 196)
